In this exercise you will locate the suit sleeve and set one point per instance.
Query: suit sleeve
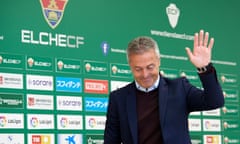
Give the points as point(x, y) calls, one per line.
point(208, 98)
point(112, 128)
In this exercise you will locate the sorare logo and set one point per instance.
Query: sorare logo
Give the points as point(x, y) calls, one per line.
point(53, 11)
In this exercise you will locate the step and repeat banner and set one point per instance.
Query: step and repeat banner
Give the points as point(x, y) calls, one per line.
point(60, 59)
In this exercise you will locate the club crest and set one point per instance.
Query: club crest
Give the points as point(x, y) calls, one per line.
point(173, 14)
point(53, 11)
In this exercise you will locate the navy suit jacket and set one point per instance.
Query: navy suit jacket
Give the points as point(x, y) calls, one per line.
point(177, 98)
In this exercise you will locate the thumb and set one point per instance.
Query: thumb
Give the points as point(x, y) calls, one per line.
point(189, 53)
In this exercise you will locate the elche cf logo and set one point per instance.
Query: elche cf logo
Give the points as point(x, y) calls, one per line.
point(53, 11)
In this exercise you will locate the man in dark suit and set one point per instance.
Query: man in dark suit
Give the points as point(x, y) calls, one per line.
point(154, 109)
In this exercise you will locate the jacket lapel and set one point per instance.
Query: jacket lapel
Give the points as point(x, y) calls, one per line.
point(132, 112)
point(163, 95)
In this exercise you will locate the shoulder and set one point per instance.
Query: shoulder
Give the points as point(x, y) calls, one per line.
point(124, 89)
point(119, 96)
point(173, 80)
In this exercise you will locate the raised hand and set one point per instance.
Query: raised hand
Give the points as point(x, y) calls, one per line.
point(202, 49)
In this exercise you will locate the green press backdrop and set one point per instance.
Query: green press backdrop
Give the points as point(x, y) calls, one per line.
point(59, 59)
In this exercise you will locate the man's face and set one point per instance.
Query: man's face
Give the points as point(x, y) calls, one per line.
point(145, 68)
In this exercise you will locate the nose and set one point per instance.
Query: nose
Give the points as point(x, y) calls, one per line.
point(144, 73)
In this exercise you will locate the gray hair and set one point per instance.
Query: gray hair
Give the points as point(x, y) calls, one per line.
point(142, 44)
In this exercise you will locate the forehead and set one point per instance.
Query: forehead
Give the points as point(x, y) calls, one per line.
point(144, 59)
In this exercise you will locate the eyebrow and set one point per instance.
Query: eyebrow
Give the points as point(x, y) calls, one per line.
point(146, 66)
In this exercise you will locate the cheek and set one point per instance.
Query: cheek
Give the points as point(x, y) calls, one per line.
point(136, 74)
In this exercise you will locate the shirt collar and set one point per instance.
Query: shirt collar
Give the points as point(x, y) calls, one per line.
point(153, 87)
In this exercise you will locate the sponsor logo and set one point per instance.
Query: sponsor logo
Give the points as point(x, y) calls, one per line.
point(96, 104)
point(68, 65)
point(12, 138)
point(53, 11)
point(94, 139)
point(230, 79)
point(196, 139)
point(96, 86)
point(230, 110)
point(63, 122)
point(231, 139)
point(34, 121)
point(37, 82)
point(215, 112)
point(39, 101)
point(95, 67)
point(11, 121)
point(69, 122)
point(13, 81)
point(194, 124)
point(11, 61)
point(231, 95)
point(3, 121)
point(11, 100)
point(173, 14)
point(90, 67)
point(70, 139)
point(211, 125)
point(230, 125)
point(195, 113)
point(40, 121)
point(92, 122)
point(120, 70)
point(95, 122)
point(118, 84)
point(116, 70)
point(39, 63)
point(212, 139)
point(69, 103)
point(68, 84)
point(32, 62)
point(40, 139)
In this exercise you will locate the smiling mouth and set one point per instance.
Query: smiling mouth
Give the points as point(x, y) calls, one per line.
point(146, 81)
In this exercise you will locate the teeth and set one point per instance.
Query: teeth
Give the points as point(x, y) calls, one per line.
point(173, 14)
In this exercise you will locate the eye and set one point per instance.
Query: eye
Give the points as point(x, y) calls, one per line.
point(138, 69)
point(151, 67)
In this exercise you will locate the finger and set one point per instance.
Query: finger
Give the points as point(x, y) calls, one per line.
point(210, 46)
point(205, 42)
point(201, 38)
point(195, 40)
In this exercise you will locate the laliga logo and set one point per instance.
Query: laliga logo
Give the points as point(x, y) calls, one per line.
point(53, 11)
point(3, 121)
point(64, 122)
point(92, 122)
point(173, 14)
point(34, 122)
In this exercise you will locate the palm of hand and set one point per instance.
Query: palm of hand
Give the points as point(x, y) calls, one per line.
point(201, 55)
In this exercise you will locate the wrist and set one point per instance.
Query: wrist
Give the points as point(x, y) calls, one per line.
point(205, 69)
